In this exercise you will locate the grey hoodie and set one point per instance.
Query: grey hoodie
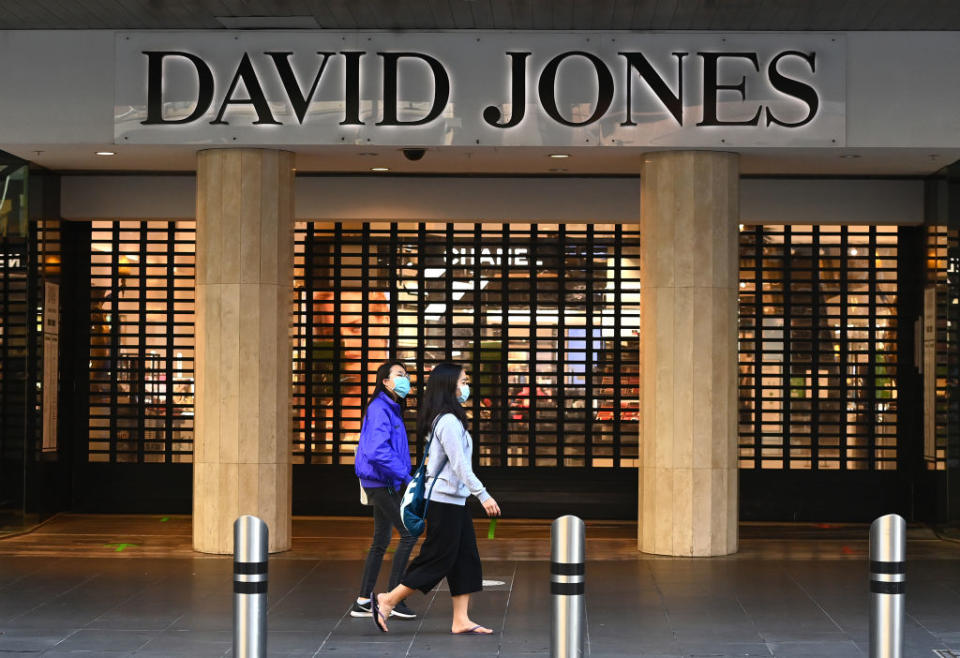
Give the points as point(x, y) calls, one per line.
point(451, 451)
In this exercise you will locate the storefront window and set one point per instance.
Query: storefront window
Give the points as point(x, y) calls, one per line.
point(545, 317)
point(142, 341)
point(818, 347)
point(18, 353)
point(943, 277)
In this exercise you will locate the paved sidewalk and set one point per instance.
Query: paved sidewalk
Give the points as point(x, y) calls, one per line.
point(757, 603)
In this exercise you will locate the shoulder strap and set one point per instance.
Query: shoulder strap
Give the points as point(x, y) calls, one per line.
point(434, 483)
point(426, 449)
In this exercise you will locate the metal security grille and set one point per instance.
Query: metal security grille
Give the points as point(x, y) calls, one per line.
point(14, 358)
point(943, 274)
point(818, 347)
point(25, 262)
point(141, 341)
point(545, 317)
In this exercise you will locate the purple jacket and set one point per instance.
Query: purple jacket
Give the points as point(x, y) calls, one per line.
point(383, 454)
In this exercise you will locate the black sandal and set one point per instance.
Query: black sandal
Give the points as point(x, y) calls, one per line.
point(378, 617)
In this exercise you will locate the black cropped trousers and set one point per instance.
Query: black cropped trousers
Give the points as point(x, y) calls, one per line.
point(449, 551)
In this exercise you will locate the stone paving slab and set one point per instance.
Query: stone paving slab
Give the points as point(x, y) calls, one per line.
point(804, 595)
point(677, 607)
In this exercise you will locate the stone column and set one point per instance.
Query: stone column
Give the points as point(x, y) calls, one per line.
point(688, 348)
point(243, 350)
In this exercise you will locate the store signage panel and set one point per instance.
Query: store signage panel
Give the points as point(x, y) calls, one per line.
point(51, 363)
point(489, 89)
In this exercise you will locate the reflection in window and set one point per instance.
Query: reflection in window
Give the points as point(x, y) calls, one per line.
point(818, 347)
point(516, 303)
point(943, 272)
point(141, 341)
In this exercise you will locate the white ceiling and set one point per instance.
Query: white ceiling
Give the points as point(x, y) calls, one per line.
point(624, 161)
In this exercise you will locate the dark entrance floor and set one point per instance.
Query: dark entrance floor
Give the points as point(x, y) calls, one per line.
point(778, 597)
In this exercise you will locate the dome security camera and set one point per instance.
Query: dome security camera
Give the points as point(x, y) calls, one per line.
point(414, 154)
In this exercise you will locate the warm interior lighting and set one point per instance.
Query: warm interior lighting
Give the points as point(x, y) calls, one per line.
point(559, 156)
point(380, 169)
point(105, 153)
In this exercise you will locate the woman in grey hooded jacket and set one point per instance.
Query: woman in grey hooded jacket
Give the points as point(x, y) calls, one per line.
point(450, 548)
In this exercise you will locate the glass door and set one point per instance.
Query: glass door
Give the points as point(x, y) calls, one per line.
point(17, 397)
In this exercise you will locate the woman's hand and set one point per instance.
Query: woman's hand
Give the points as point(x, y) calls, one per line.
point(491, 507)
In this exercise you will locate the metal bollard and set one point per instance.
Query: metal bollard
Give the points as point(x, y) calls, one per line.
point(249, 587)
point(888, 578)
point(566, 587)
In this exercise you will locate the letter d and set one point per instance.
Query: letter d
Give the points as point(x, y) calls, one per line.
point(155, 87)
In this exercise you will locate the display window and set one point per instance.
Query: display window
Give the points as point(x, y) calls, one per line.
point(818, 347)
point(141, 341)
point(940, 348)
point(15, 320)
point(545, 317)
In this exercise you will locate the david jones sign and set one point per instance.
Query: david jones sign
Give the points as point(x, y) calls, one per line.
point(560, 90)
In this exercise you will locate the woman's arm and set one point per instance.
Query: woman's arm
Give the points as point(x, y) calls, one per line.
point(449, 433)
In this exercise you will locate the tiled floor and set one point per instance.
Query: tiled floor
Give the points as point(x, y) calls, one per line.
point(752, 604)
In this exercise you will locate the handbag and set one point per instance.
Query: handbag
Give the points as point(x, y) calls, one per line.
point(413, 505)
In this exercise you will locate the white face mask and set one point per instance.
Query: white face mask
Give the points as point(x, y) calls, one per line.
point(464, 393)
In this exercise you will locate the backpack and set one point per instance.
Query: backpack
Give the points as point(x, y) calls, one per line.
point(413, 505)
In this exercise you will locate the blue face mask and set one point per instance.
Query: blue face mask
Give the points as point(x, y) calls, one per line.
point(464, 393)
point(401, 386)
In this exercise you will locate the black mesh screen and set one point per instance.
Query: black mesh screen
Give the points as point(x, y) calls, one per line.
point(545, 317)
point(141, 341)
point(818, 347)
point(943, 274)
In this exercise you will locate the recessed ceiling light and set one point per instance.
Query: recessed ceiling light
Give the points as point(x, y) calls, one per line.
point(849, 156)
point(559, 156)
point(105, 153)
point(380, 169)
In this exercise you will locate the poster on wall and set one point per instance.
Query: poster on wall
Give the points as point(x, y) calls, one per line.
point(51, 363)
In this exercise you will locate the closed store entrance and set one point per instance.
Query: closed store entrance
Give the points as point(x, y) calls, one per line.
point(547, 318)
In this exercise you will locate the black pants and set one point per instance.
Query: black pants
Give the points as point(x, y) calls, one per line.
point(449, 551)
point(386, 517)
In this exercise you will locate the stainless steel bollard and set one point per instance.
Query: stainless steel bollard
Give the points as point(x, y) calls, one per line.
point(249, 587)
point(567, 628)
point(888, 578)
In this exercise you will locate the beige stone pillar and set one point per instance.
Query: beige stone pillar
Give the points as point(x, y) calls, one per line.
point(688, 348)
point(243, 361)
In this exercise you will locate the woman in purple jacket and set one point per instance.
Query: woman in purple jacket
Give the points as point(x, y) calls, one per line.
point(383, 466)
